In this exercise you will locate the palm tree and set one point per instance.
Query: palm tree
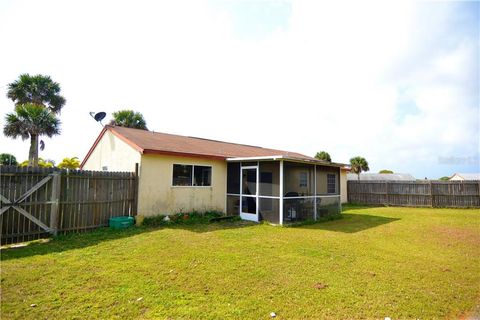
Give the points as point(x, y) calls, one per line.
point(69, 163)
point(129, 119)
point(31, 121)
point(323, 155)
point(359, 164)
point(38, 89)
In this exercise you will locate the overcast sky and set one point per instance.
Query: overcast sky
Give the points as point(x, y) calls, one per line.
point(394, 82)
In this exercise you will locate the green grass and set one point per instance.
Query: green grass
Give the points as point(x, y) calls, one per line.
point(375, 262)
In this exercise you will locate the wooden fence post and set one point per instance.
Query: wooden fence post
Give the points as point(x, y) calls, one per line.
point(386, 193)
point(56, 181)
point(431, 194)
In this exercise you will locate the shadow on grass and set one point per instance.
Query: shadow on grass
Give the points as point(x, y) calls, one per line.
point(351, 223)
point(82, 240)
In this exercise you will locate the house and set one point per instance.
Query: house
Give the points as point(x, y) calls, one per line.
point(381, 177)
point(343, 183)
point(465, 177)
point(180, 173)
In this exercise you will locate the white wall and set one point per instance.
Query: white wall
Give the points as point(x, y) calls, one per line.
point(114, 154)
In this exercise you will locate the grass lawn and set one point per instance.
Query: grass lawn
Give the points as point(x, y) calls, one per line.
point(404, 263)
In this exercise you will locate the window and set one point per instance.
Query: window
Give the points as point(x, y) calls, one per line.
point(202, 176)
point(182, 175)
point(190, 175)
point(303, 179)
point(331, 183)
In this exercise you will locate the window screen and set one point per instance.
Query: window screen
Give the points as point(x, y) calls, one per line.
point(331, 183)
point(233, 178)
point(303, 179)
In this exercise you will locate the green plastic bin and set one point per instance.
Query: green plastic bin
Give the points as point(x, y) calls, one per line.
point(121, 222)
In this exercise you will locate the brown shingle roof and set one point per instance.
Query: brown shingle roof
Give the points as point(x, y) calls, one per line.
point(163, 143)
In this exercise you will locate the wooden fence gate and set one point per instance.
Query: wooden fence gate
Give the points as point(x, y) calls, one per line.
point(39, 202)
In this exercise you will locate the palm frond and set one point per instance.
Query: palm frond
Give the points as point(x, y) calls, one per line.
point(129, 119)
point(38, 89)
point(31, 119)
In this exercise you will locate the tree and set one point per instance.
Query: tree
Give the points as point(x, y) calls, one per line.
point(358, 164)
point(31, 121)
point(386, 171)
point(69, 163)
point(39, 89)
point(444, 178)
point(129, 119)
point(7, 159)
point(323, 155)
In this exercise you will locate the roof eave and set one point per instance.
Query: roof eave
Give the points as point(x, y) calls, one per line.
point(236, 159)
point(183, 154)
point(282, 157)
point(100, 136)
point(124, 139)
point(89, 153)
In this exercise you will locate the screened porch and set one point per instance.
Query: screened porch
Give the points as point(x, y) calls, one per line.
point(282, 191)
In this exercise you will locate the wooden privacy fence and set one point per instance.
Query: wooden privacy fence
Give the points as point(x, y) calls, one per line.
point(456, 194)
point(38, 202)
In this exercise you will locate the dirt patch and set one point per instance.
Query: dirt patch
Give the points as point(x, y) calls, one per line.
point(472, 315)
point(453, 236)
point(320, 286)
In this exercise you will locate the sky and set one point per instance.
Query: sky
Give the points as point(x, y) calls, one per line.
point(396, 82)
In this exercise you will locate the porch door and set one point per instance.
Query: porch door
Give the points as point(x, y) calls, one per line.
point(249, 194)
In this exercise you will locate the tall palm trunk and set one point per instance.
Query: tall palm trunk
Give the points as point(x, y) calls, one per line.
point(33, 152)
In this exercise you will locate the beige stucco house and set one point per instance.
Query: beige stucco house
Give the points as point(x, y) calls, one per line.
point(181, 174)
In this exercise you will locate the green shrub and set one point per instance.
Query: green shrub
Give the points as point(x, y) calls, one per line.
point(385, 171)
point(182, 218)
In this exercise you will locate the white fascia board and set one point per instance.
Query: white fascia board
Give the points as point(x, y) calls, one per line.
point(255, 158)
point(281, 157)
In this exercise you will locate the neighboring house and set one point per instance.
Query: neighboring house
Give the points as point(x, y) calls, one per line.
point(343, 184)
point(180, 174)
point(465, 177)
point(381, 176)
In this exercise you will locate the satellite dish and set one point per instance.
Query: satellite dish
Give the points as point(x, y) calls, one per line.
point(99, 116)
